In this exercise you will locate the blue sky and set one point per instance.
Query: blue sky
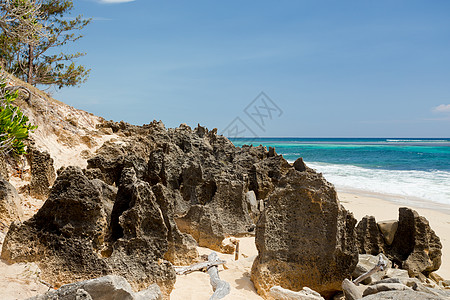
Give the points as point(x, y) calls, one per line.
point(333, 68)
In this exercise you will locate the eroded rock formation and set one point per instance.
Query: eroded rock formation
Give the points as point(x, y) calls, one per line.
point(145, 199)
point(71, 239)
point(10, 207)
point(414, 247)
point(149, 196)
point(304, 237)
point(42, 173)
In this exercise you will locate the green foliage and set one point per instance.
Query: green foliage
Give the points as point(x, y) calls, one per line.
point(39, 63)
point(19, 20)
point(14, 125)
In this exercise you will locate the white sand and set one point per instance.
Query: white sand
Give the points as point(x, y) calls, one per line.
point(196, 286)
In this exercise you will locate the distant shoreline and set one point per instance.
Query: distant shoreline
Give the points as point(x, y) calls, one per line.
point(413, 202)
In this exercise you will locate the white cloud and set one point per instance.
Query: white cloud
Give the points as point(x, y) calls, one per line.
point(115, 1)
point(443, 108)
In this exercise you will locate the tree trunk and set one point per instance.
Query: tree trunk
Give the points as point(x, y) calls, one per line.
point(30, 64)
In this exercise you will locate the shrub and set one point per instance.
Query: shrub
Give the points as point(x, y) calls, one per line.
point(14, 125)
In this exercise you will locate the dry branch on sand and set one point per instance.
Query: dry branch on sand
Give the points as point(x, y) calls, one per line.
point(221, 288)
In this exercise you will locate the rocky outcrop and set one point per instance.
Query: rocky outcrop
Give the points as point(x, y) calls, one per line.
point(304, 237)
point(414, 245)
point(150, 194)
point(10, 208)
point(70, 237)
point(225, 215)
point(182, 248)
point(369, 237)
point(42, 173)
point(205, 178)
point(109, 287)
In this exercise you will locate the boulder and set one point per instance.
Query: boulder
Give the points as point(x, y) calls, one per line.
point(415, 246)
point(388, 230)
point(402, 295)
point(43, 173)
point(109, 161)
point(279, 293)
point(367, 262)
point(304, 237)
point(10, 207)
point(396, 273)
point(109, 287)
point(299, 165)
point(207, 178)
point(351, 290)
point(383, 287)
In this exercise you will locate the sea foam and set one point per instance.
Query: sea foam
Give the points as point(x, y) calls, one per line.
point(406, 185)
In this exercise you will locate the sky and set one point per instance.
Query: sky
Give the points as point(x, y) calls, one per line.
point(299, 68)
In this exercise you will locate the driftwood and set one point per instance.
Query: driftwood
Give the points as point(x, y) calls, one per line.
point(236, 252)
point(182, 270)
point(221, 288)
point(379, 267)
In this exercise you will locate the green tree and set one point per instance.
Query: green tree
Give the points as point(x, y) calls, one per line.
point(19, 20)
point(40, 63)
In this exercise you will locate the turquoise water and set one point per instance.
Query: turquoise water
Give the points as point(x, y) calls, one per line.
point(406, 168)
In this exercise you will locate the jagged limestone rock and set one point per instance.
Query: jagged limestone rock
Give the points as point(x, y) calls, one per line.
point(369, 237)
point(43, 173)
point(304, 237)
point(415, 246)
point(69, 234)
point(10, 207)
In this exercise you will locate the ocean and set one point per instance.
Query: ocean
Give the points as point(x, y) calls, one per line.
point(407, 171)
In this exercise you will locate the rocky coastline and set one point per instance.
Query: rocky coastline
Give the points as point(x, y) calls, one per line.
point(138, 200)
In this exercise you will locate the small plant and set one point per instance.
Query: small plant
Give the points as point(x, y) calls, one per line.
point(14, 125)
